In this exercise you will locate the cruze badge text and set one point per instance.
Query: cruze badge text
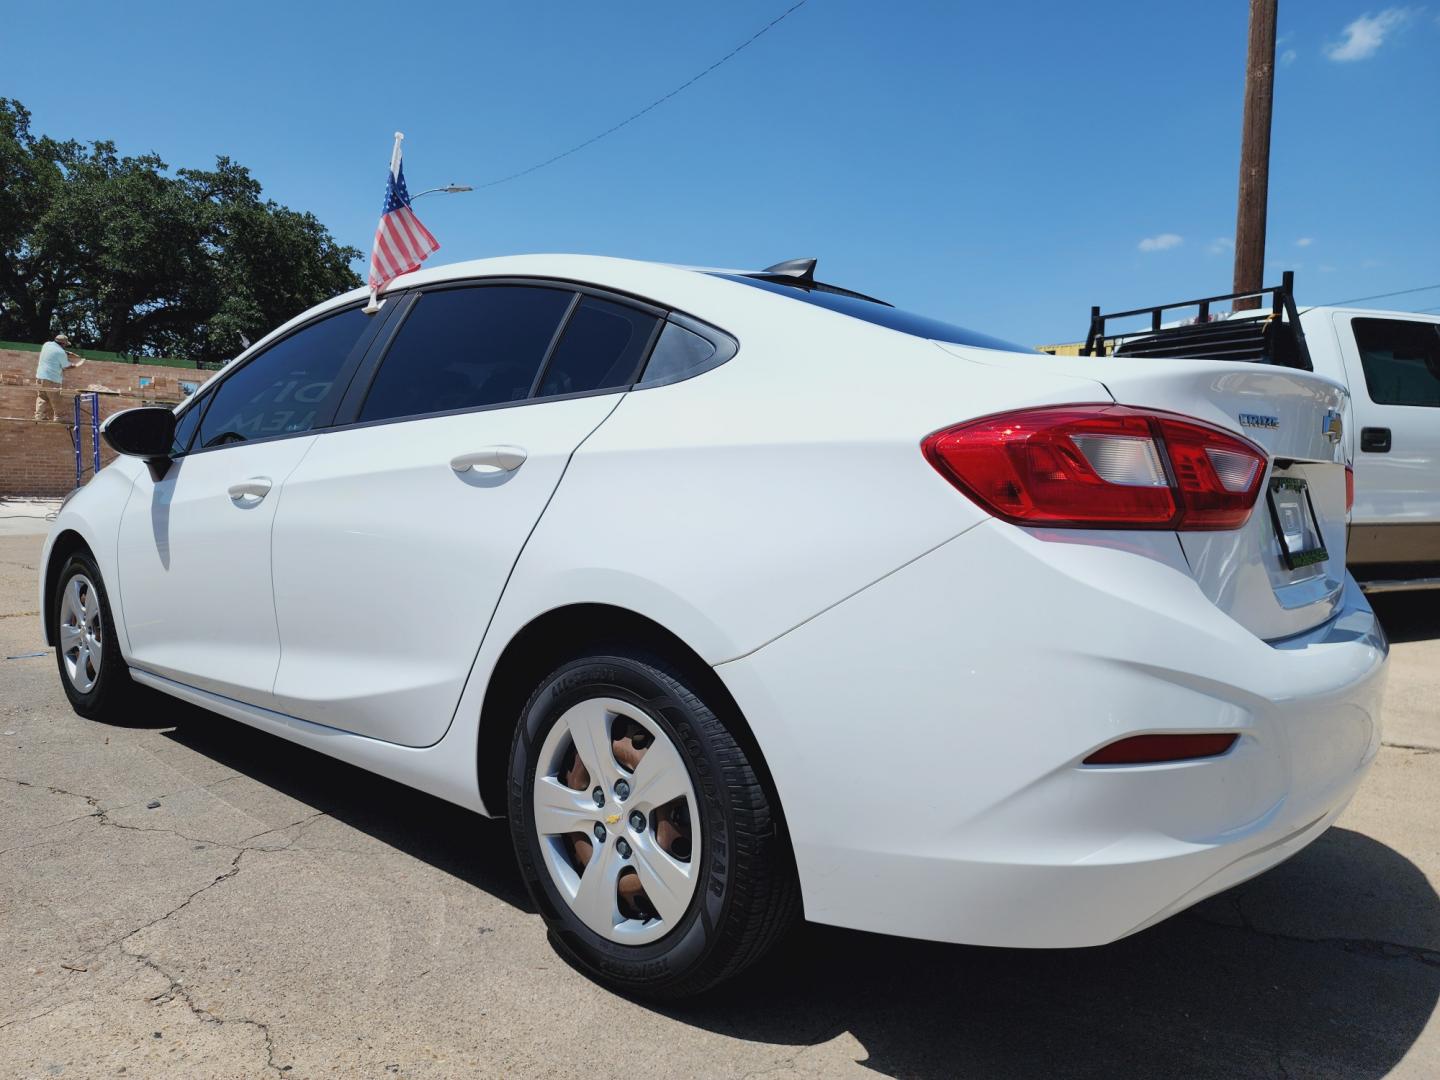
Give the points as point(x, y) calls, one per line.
point(1250, 419)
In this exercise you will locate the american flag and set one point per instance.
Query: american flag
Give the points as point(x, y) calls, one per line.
point(401, 242)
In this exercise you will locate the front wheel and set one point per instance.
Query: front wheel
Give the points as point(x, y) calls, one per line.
point(92, 671)
point(643, 831)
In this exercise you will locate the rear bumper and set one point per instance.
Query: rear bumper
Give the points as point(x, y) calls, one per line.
point(926, 736)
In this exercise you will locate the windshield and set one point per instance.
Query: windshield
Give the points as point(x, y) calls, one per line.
point(907, 322)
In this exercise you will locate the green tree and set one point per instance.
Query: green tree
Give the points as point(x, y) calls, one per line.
point(125, 256)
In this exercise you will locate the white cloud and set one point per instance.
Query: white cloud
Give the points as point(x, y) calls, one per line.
point(1366, 34)
point(1164, 242)
point(1288, 57)
point(1305, 241)
point(1220, 245)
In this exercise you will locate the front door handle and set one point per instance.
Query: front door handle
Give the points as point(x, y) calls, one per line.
point(493, 459)
point(249, 492)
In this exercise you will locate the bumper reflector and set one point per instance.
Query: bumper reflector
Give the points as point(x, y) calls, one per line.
point(1154, 749)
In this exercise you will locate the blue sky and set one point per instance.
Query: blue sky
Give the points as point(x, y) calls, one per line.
point(1003, 166)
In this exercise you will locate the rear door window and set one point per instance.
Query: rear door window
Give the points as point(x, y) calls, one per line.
point(603, 346)
point(466, 348)
point(1401, 358)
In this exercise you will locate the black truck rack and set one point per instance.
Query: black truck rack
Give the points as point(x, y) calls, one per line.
point(1273, 338)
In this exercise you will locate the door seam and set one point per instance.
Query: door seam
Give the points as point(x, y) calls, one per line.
point(275, 600)
point(520, 551)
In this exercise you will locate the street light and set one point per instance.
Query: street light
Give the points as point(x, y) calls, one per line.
point(448, 189)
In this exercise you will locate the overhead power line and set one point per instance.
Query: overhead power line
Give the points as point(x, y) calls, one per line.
point(657, 102)
point(1380, 296)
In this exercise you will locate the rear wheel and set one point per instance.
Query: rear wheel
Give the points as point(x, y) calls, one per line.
point(643, 832)
point(92, 671)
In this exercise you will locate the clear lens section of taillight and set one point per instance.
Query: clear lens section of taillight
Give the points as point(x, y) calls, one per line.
point(1123, 459)
point(1236, 471)
point(1102, 466)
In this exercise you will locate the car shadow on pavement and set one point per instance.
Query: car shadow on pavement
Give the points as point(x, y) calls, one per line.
point(1408, 616)
point(1324, 966)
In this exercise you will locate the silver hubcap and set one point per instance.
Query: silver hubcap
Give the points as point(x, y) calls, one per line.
point(81, 633)
point(616, 814)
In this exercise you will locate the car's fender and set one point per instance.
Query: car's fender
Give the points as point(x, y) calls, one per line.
point(92, 513)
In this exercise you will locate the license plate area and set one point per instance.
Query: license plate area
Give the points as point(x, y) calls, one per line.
point(1296, 527)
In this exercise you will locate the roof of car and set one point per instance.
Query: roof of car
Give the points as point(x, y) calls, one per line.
point(693, 290)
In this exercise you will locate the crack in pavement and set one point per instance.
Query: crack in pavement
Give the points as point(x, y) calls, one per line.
point(1388, 950)
point(241, 849)
point(803, 1046)
point(36, 1016)
point(102, 816)
point(176, 988)
point(1418, 748)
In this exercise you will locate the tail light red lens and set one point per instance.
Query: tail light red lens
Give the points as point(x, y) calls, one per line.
point(1102, 466)
point(1349, 491)
point(1154, 749)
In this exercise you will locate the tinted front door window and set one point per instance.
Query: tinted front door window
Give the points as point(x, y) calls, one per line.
point(281, 391)
point(185, 428)
point(464, 348)
point(603, 346)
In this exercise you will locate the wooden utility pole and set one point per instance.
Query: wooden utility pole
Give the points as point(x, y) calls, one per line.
point(1255, 153)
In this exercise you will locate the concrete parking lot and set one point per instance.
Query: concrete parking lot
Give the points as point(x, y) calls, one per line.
point(189, 897)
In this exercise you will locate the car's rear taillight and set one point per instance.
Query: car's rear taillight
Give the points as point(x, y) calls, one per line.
point(1349, 491)
point(1102, 466)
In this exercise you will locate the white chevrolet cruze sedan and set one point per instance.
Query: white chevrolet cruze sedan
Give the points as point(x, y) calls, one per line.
point(746, 596)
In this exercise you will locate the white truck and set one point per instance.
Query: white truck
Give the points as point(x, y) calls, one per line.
point(1389, 360)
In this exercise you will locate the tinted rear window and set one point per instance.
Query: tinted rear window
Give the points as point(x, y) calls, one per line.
point(602, 347)
point(907, 322)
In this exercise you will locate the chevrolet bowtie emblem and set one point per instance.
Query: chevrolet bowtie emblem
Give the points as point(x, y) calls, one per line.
point(612, 819)
point(1332, 427)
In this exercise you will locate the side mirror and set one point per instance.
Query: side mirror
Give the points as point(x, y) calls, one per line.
point(147, 433)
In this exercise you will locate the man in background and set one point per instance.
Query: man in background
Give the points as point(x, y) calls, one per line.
point(55, 357)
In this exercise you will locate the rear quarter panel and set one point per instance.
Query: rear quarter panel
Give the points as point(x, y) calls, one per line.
point(735, 505)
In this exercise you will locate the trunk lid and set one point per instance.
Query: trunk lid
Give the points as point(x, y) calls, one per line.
point(1297, 418)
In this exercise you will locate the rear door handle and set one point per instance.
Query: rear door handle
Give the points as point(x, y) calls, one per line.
point(1375, 440)
point(250, 491)
point(493, 459)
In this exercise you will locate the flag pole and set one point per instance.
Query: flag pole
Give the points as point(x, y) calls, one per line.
point(374, 305)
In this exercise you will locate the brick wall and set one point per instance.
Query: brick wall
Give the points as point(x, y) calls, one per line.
point(37, 458)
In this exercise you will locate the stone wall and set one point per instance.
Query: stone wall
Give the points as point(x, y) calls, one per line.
point(37, 458)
